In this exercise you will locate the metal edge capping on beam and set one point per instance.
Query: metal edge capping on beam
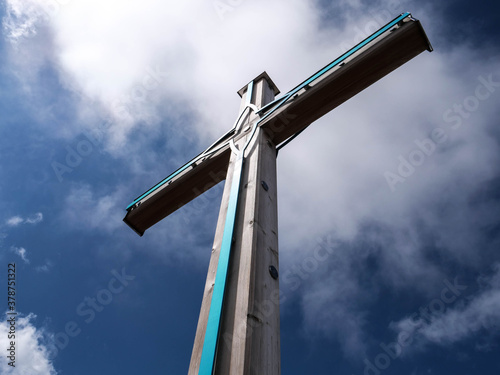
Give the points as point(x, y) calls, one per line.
point(279, 101)
point(332, 73)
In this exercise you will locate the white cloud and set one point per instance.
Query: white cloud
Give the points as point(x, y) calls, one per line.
point(22, 18)
point(32, 353)
point(15, 221)
point(331, 178)
point(21, 251)
point(45, 267)
point(465, 320)
point(86, 209)
point(109, 61)
point(35, 219)
point(331, 182)
point(333, 302)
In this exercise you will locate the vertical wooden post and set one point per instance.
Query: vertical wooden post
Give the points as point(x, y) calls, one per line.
point(249, 340)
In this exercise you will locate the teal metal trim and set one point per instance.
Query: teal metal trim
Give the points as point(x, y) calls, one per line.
point(327, 68)
point(207, 362)
point(162, 182)
point(248, 99)
point(210, 342)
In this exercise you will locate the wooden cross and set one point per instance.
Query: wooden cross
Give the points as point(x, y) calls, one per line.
point(238, 328)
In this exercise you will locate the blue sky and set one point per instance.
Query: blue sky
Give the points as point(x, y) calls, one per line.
point(101, 100)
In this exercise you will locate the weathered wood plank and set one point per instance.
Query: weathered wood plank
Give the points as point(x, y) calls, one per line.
point(212, 271)
point(249, 340)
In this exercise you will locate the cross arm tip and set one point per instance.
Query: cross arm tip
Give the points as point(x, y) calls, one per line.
point(136, 230)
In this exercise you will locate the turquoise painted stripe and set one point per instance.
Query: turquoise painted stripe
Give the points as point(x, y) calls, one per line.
point(351, 51)
point(162, 182)
point(214, 317)
point(337, 61)
point(210, 342)
point(184, 167)
point(248, 100)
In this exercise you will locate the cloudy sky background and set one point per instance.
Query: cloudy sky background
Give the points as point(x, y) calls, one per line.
point(365, 262)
